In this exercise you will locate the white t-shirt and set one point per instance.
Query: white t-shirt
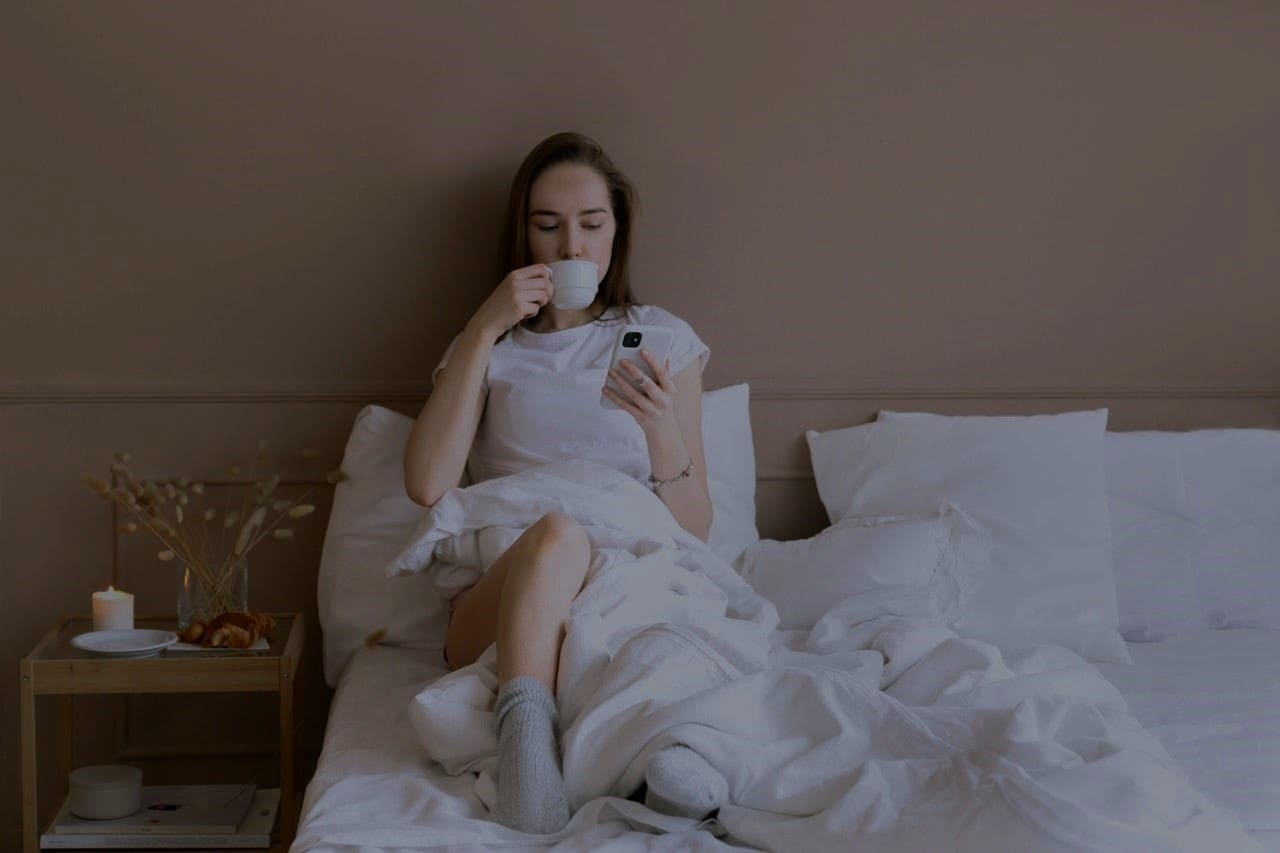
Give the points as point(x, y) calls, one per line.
point(543, 396)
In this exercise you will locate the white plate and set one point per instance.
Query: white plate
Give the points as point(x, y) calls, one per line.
point(125, 644)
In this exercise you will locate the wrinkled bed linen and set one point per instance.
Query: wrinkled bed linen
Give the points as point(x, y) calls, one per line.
point(880, 729)
point(375, 789)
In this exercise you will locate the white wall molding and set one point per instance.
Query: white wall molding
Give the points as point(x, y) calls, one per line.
point(764, 391)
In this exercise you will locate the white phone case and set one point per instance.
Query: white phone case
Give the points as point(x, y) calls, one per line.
point(656, 339)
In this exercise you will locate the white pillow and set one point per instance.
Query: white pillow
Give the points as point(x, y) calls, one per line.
point(1233, 478)
point(731, 469)
point(370, 523)
point(1196, 530)
point(890, 556)
point(1037, 486)
point(373, 518)
point(1152, 537)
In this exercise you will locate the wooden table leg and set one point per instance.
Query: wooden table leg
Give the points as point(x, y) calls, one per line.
point(68, 736)
point(288, 799)
point(30, 780)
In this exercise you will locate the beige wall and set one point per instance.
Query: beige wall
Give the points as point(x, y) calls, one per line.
point(239, 220)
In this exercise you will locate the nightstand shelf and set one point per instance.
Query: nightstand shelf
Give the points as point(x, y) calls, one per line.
point(56, 668)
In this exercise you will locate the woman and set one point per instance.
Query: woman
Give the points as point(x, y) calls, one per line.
point(522, 384)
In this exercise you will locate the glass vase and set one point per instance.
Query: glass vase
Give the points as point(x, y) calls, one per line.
point(205, 594)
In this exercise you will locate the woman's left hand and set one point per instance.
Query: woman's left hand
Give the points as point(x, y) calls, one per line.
point(650, 401)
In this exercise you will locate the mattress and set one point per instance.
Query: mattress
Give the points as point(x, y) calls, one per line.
point(1212, 698)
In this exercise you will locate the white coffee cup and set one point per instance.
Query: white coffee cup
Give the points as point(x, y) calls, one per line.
point(573, 283)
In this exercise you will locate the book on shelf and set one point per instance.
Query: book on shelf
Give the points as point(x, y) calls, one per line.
point(171, 809)
point(253, 831)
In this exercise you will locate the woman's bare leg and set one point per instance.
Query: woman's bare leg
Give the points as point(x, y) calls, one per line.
point(522, 602)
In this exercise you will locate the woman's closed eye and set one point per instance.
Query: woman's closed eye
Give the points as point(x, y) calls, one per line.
point(554, 227)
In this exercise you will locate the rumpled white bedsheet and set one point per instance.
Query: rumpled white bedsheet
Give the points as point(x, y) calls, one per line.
point(878, 730)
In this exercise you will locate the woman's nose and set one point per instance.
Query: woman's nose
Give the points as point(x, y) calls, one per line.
point(571, 246)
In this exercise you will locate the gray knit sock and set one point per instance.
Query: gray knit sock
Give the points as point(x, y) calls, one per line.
point(531, 792)
point(682, 783)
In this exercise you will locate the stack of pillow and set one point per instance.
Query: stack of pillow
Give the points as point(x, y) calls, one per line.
point(1020, 531)
point(1092, 537)
point(1036, 488)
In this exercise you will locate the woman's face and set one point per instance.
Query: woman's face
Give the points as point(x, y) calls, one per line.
point(570, 217)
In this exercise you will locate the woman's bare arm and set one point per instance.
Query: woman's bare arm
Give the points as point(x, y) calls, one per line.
point(689, 499)
point(441, 438)
point(436, 454)
point(669, 411)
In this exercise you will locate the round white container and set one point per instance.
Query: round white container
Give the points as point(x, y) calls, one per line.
point(105, 791)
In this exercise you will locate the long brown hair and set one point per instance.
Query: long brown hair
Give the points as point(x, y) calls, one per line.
point(577, 148)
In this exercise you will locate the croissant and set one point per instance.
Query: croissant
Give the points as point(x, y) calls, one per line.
point(231, 630)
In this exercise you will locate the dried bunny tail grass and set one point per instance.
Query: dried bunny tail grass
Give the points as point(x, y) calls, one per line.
point(166, 555)
point(183, 482)
point(121, 470)
point(98, 484)
point(254, 522)
point(280, 506)
point(270, 485)
point(197, 488)
point(301, 511)
point(177, 512)
point(123, 496)
point(170, 491)
point(282, 533)
point(335, 477)
point(183, 499)
point(163, 526)
point(210, 513)
point(231, 519)
point(128, 527)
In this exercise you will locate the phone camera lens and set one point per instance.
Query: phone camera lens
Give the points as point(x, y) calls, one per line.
point(631, 339)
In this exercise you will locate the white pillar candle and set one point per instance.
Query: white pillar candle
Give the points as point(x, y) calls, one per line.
point(112, 610)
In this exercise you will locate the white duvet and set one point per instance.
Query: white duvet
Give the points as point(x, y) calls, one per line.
point(878, 730)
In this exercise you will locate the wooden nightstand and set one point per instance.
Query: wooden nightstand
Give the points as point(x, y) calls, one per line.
point(56, 668)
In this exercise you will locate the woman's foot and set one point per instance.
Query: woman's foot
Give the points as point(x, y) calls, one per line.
point(682, 783)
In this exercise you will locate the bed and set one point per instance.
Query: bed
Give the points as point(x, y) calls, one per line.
point(1187, 636)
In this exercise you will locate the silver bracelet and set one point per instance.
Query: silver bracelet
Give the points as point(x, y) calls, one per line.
point(657, 484)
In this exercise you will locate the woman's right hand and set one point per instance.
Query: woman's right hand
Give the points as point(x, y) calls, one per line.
point(519, 296)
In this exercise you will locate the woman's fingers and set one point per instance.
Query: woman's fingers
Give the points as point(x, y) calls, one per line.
point(532, 287)
point(622, 402)
point(638, 389)
point(660, 371)
point(532, 271)
point(628, 387)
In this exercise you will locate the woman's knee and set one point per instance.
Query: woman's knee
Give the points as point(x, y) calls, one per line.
point(561, 532)
point(560, 552)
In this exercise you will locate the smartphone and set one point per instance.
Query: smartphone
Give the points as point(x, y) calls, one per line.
point(631, 339)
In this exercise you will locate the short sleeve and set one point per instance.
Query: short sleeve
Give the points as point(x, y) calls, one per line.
point(444, 360)
point(686, 346)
